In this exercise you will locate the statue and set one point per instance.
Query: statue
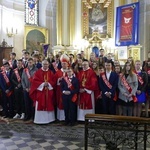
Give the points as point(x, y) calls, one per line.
point(4, 43)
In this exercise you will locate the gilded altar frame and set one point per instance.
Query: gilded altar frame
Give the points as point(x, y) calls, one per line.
point(110, 20)
point(41, 30)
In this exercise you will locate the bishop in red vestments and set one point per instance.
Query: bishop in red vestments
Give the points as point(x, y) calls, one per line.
point(59, 75)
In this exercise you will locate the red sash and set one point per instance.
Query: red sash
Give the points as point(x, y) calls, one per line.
point(74, 98)
point(68, 82)
point(27, 73)
point(17, 74)
point(9, 93)
point(139, 78)
point(6, 78)
point(10, 63)
point(54, 65)
point(7, 82)
point(127, 86)
point(106, 81)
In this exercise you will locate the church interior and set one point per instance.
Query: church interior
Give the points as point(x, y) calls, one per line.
point(69, 27)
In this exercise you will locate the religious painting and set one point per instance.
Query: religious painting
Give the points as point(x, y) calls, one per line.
point(98, 19)
point(35, 37)
point(127, 25)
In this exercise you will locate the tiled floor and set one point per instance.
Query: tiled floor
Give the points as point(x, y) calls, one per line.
point(20, 136)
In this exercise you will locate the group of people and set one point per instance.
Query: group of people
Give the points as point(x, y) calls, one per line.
point(63, 88)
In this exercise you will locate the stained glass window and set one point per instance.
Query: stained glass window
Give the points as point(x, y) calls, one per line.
point(31, 12)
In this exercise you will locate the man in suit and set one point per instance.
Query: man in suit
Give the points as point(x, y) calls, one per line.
point(27, 76)
point(70, 88)
point(25, 60)
point(13, 61)
point(7, 90)
point(18, 90)
point(108, 83)
point(102, 59)
point(102, 55)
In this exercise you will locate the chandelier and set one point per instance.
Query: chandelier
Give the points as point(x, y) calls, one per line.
point(88, 3)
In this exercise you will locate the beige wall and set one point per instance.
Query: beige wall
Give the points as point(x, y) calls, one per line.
point(12, 15)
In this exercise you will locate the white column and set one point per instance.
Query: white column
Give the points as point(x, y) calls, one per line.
point(78, 24)
point(65, 23)
point(42, 12)
point(1, 32)
point(144, 26)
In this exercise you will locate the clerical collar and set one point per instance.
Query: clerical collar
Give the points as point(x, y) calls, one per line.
point(45, 70)
point(86, 69)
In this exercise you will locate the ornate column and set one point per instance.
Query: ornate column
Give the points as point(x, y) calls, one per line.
point(65, 23)
point(144, 28)
point(133, 1)
point(72, 21)
point(59, 22)
point(135, 52)
point(78, 24)
point(122, 2)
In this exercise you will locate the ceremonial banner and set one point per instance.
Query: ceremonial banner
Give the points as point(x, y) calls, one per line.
point(127, 25)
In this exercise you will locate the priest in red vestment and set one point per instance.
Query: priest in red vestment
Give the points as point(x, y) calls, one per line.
point(59, 75)
point(41, 93)
point(88, 84)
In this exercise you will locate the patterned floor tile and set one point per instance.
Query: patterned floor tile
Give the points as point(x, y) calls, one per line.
point(18, 135)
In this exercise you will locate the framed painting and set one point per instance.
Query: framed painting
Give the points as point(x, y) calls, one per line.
point(122, 53)
point(35, 37)
point(97, 18)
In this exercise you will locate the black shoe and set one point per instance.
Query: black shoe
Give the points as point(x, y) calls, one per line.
point(5, 116)
point(26, 118)
point(72, 124)
point(10, 116)
point(66, 123)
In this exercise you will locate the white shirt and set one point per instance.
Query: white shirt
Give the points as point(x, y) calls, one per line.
point(108, 75)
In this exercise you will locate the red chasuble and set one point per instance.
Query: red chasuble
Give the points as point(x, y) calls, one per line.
point(88, 80)
point(45, 97)
point(59, 74)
